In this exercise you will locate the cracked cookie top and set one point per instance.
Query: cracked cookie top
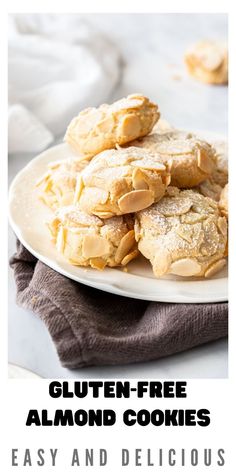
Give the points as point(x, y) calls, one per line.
point(191, 160)
point(183, 234)
point(121, 181)
point(97, 129)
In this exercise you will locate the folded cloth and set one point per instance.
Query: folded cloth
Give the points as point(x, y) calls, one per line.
point(58, 64)
point(91, 327)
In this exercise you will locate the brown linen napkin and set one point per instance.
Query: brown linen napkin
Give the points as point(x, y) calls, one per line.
point(91, 327)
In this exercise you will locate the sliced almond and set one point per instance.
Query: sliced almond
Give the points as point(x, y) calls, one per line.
point(161, 263)
point(184, 233)
point(60, 244)
point(167, 179)
point(42, 179)
point(53, 227)
point(222, 225)
point(54, 165)
point(48, 185)
point(204, 162)
point(98, 263)
point(100, 195)
point(185, 267)
point(169, 206)
point(149, 164)
point(127, 103)
point(191, 218)
point(78, 188)
point(106, 125)
point(104, 214)
point(129, 257)
point(216, 267)
point(134, 100)
point(95, 246)
point(125, 245)
point(92, 198)
point(85, 122)
point(130, 127)
point(138, 180)
point(135, 200)
point(75, 262)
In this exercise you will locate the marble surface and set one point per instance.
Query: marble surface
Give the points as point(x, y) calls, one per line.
point(152, 48)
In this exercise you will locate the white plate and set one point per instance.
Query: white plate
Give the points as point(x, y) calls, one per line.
point(27, 218)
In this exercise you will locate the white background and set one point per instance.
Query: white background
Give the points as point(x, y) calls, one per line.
point(18, 396)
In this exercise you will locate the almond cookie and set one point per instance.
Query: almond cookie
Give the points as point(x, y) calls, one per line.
point(207, 61)
point(97, 129)
point(190, 159)
point(213, 186)
point(183, 234)
point(58, 184)
point(87, 240)
point(223, 203)
point(120, 181)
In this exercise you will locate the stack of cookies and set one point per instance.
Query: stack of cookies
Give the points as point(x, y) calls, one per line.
point(138, 186)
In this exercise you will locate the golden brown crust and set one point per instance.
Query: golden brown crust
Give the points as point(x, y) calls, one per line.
point(97, 129)
point(183, 234)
